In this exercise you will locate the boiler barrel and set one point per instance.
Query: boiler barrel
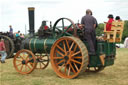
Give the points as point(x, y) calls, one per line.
point(37, 45)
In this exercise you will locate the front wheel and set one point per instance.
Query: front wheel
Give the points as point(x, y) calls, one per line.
point(24, 61)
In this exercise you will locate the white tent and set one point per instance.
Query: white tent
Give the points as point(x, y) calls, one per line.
point(126, 43)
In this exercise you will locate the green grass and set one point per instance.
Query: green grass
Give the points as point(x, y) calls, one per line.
point(112, 75)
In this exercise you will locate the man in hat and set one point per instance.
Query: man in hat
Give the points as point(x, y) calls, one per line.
point(90, 23)
point(2, 51)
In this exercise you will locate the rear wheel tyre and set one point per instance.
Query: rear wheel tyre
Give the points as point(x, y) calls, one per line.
point(69, 57)
point(24, 61)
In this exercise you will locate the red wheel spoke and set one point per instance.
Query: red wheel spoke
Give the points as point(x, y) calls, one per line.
point(19, 64)
point(71, 47)
point(60, 61)
point(76, 61)
point(21, 68)
point(64, 47)
point(76, 66)
point(59, 53)
point(67, 43)
point(78, 57)
point(76, 53)
point(61, 67)
point(21, 57)
point(69, 71)
point(18, 60)
point(58, 57)
point(75, 48)
point(31, 63)
point(27, 57)
point(72, 68)
point(60, 48)
point(65, 69)
point(28, 66)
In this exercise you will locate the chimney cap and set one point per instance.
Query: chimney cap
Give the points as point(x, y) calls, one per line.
point(31, 8)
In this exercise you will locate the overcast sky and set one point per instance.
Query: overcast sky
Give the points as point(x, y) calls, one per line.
point(15, 12)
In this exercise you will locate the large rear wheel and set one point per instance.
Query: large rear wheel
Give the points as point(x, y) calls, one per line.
point(69, 57)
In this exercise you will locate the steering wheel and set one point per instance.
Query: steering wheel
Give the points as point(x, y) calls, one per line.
point(62, 27)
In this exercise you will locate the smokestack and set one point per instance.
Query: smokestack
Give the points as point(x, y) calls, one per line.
point(31, 21)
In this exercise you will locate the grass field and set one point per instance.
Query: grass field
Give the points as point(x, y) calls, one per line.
point(112, 75)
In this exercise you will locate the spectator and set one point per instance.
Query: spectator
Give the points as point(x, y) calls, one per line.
point(17, 34)
point(10, 31)
point(22, 36)
point(118, 18)
point(3, 51)
point(109, 23)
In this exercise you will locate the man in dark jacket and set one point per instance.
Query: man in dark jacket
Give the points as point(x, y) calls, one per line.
point(90, 23)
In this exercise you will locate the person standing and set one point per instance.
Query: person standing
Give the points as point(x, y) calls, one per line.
point(90, 23)
point(10, 31)
point(3, 51)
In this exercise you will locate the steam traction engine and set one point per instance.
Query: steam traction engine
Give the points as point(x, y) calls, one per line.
point(65, 46)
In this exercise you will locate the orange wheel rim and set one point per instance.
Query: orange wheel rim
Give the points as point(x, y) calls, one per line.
point(67, 57)
point(24, 61)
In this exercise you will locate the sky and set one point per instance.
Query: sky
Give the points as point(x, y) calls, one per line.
point(15, 12)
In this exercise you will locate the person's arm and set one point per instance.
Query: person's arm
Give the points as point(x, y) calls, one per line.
point(82, 23)
point(95, 23)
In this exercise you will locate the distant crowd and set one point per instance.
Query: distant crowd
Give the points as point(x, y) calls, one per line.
point(16, 34)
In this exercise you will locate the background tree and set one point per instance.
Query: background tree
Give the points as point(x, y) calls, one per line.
point(100, 29)
point(125, 32)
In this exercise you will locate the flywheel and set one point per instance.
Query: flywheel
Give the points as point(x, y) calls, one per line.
point(69, 57)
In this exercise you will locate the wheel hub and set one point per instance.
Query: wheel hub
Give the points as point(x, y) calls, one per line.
point(66, 58)
point(38, 60)
point(23, 62)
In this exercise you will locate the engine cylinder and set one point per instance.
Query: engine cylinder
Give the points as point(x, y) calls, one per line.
point(37, 45)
